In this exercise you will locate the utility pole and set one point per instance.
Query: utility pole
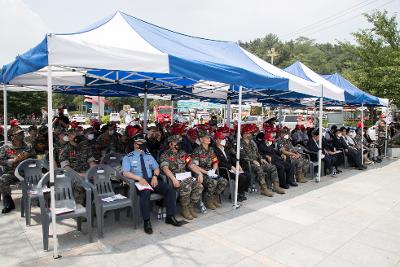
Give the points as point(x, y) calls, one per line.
point(272, 53)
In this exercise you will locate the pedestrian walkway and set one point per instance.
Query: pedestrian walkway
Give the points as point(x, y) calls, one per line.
point(352, 220)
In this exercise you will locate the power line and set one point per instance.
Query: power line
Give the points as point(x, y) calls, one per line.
point(331, 18)
point(351, 18)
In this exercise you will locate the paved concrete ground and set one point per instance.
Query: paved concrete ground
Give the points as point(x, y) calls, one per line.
point(352, 220)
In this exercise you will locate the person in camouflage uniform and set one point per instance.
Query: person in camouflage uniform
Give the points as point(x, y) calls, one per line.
point(206, 160)
point(30, 139)
point(89, 143)
point(266, 173)
point(75, 157)
point(60, 140)
point(10, 156)
point(381, 132)
point(108, 141)
point(173, 161)
point(285, 146)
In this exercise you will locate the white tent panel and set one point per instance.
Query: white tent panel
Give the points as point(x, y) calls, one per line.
point(114, 45)
point(330, 91)
point(296, 84)
point(60, 76)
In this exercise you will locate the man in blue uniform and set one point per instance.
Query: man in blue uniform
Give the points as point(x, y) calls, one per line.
point(144, 169)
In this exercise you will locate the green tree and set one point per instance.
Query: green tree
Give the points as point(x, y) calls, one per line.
point(375, 66)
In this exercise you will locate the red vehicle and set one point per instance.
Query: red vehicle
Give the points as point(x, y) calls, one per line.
point(163, 114)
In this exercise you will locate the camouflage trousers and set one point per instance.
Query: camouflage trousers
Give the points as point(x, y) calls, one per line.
point(266, 174)
point(6, 180)
point(214, 186)
point(190, 191)
point(79, 192)
point(301, 165)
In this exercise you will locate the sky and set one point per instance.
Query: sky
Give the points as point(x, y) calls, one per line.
point(25, 22)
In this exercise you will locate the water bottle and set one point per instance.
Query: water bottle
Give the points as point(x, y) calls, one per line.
point(159, 214)
point(202, 207)
point(164, 213)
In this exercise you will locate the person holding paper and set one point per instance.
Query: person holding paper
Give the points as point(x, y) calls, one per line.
point(10, 156)
point(266, 173)
point(206, 160)
point(226, 161)
point(175, 162)
point(144, 169)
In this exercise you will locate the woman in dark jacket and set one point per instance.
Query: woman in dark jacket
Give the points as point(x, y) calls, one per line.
point(227, 163)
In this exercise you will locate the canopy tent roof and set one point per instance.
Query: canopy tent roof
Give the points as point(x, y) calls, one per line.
point(358, 96)
point(125, 50)
point(124, 56)
point(330, 90)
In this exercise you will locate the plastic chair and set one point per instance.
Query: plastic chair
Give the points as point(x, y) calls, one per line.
point(253, 183)
point(29, 172)
point(231, 181)
point(64, 199)
point(312, 164)
point(112, 159)
point(99, 178)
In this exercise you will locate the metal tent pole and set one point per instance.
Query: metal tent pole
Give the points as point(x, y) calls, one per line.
point(228, 111)
point(321, 101)
point(5, 113)
point(386, 137)
point(172, 110)
point(51, 160)
point(145, 110)
point(235, 204)
point(362, 133)
point(99, 108)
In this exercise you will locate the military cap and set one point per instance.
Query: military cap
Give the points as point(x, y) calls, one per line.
point(15, 130)
point(204, 134)
point(139, 138)
point(174, 138)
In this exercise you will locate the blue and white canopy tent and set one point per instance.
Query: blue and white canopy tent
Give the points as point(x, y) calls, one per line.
point(122, 55)
point(123, 52)
point(355, 96)
point(335, 82)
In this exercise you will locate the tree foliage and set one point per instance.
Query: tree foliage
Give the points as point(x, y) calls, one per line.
point(375, 66)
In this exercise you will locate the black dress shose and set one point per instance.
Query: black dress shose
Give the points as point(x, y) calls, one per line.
point(173, 221)
point(8, 204)
point(147, 227)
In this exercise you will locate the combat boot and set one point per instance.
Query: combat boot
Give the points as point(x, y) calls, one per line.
point(193, 211)
point(265, 191)
point(209, 203)
point(301, 178)
point(278, 189)
point(216, 202)
point(8, 204)
point(185, 212)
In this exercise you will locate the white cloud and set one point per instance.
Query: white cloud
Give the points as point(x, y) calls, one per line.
point(20, 29)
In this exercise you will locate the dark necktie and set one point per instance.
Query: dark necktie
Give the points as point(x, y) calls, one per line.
point(144, 170)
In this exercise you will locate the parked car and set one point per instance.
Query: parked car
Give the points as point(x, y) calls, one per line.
point(79, 118)
point(289, 121)
point(253, 119)
point(114, 117)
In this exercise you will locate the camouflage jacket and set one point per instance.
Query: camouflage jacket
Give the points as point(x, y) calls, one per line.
point(108, 143)
point(204, 158)
point(285, 144)
point(175, 161)
point(75, 157)
point(10, 151)
point(249, 152)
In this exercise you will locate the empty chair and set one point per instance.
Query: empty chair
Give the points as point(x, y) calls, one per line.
point(112, 159)
point(29, 172)
point(99, 178)
point(64, 202)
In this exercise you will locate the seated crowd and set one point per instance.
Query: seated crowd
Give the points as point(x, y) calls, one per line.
point(196, 163)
